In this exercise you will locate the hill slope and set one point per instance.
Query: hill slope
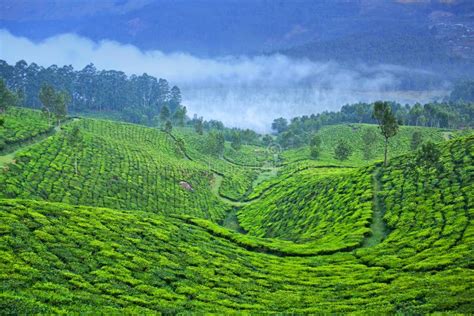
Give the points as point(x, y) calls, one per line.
point(60, 258)
point(320, 239)
point(119, 165)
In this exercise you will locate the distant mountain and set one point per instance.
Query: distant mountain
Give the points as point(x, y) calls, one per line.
point(215, 27)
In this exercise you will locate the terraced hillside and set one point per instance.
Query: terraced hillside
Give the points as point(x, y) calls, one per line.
point(237, 177)
point(314, 204)
point(20, 126)
point(120, 232)
point(119, 165)
point(142, 262)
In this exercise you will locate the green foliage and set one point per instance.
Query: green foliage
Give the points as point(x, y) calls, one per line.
point(22, 125)
point(267, 140)
point(58, 258)
point(387, 122)
point(7, 98)
point(291, 207)
point(179, 115)
point(54, 103)
point(198, 126)
point(247, 155)
point(343, 150)
point(416, 140)
point(103, 93)
point(440, 115)
point(429, 155)
point(386, 119)
point(168, 127)
point(121, 166)
point(315, 146)
point(175, 97)
point(236, 141)
point(161, 249)
point(428, 214)
point(280, 125)
point(354, 134)
point(237, 179)
point(215, 144)
point(164, 114)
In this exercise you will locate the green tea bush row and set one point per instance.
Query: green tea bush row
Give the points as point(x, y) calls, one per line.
point(57, 258)
point(429, 212)
point(21, 125)
point(238, 180)
point(353, 134)
point(119, 165)
point(310, 206)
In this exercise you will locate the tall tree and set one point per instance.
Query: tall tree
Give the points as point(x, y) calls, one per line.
point(54, 103)
point(416, 140)
point(7, 98)
point(267, 139)
point(280, 125)
point(236, 140)
point(179, 115)
point(343, 150)
point(168, 127)
point(215, 143)
point(47, 96)
point(387, 123)
point(164, 114)
point(60, 106)
point(163, 92)
point(198, 125)
point(175, 98)
point(315, 146)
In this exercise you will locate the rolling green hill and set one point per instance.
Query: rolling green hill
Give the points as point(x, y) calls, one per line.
point(21, 125)
point(60, 258)
point(136, 226)
point(353, 134)
point(119, 165)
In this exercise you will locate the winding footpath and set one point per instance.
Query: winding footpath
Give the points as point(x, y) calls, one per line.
point(378, 229)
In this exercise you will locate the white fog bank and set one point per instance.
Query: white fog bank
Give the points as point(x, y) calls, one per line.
point(241, 91)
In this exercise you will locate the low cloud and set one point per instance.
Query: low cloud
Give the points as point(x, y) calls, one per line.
point(241, 91)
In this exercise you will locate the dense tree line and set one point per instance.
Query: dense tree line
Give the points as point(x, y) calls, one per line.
point(299, 130)
point(132, 98)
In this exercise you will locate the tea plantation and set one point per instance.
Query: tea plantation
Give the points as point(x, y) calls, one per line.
point(127, 219)
point(21, 125)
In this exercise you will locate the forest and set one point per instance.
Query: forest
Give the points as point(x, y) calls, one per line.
point(137, 99)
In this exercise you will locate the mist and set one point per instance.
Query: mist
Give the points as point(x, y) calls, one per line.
point(241, 91)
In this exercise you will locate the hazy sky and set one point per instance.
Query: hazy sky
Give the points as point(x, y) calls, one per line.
point(239, 90)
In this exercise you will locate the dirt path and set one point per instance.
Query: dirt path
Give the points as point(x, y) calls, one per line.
point(378, 229)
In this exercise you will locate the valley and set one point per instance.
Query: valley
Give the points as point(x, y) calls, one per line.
point(119, 233)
